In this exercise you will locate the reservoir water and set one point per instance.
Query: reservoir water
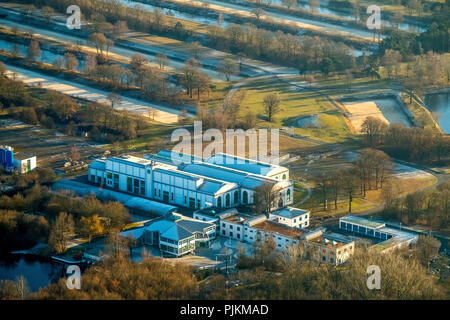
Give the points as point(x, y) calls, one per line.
point(439, 106)
point(38, 272)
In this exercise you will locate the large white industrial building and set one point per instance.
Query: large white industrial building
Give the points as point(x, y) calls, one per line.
point(199, 184)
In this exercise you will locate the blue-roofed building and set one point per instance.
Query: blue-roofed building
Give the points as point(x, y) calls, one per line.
point(176, 235)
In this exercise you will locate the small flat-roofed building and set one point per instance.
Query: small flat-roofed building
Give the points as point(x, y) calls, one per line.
point(24, 162)
point(212, 214)
point(331, 248)
point(387, 238)
point(291, 217)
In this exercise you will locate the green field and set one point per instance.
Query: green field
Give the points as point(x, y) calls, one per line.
point(152, 139)
point(294, 105)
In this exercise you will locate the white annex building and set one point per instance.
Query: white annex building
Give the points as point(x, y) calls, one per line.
point(221, 181)
point(24, 162)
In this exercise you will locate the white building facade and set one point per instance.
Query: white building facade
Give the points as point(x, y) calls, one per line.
point(250, 229)
point(24, 162)
point(198, 185)
point(291, 217)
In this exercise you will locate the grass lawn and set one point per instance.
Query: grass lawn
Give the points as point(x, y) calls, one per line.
point(152, 139)
point(315, 205)
point(216, 96)
point(422, 115)
point(294, 105)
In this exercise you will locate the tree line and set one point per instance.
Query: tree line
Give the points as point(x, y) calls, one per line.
point(296, 278)
point(154, 83)
point(62, 216)
point(436, 38)
point(370, 171)
point(305, 53)
point(430, 208)
point(411, 144)
point(56, 110)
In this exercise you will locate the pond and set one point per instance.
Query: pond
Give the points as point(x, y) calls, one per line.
point(38, 272)
point(439, 106)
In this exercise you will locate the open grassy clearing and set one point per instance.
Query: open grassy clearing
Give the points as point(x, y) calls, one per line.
point(215, 97)
point(422, 115)
point(294, 105)
point(402, 187)
point(158, 137)
point(309, 169)
point(338, 87)
point(152, 139)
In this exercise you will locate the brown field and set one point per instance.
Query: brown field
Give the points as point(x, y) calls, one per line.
point(50, 146)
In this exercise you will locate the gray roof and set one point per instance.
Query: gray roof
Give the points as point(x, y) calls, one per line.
point(225, 170)
point(178, 229)
point(337, 237)
point(244, 164)
point(179, 173)
point(98, 164)
point(373, 224)
point(169, 155)
point(398, 234)
point(23, 156)
point(226, 174)
point(193, 225)
point(127, 159)
point(290, 212)
point(209, 186)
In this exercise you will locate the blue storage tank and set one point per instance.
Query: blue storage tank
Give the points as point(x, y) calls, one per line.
point(9, 159)
point(2, 156)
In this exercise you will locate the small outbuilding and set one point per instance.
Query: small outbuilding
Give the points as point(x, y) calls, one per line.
point(24, 162)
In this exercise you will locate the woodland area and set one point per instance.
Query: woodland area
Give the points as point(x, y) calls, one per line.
point(295, 278)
